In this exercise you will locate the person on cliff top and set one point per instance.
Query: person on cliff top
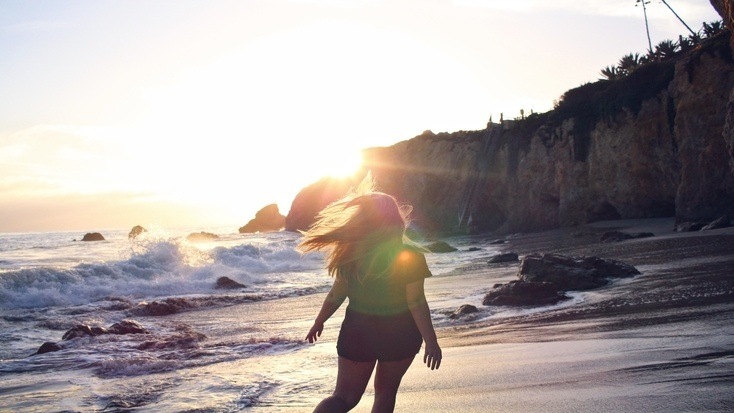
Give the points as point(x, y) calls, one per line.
point(382, 272)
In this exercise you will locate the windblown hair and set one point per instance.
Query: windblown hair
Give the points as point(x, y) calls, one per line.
point(360, 233)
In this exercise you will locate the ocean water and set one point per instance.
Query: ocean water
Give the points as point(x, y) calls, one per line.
point(218, 350)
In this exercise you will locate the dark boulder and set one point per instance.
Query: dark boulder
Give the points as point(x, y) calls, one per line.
point(440, 247)
point(123, 327)
point(137, 230)
point(497, 242)
point(506, 257)
point(521, 293)
point(463, 310)
point(572, 273)
point(127, 327)
point(201, 237)
point(268, 219)
point(160, 308)
point(225, 283)
point(618, 236)
point(93, 236)
point(690, 226)
point(722, 222)
point(48, 347)
point(473, 249)
point(83, 330)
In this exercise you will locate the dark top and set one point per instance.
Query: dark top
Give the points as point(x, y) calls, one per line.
point(385, 295)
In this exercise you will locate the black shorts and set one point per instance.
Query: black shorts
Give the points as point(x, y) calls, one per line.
point(366, 337)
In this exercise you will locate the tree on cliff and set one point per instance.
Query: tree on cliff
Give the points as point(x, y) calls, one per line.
point(666, 49)
point(628, 63)
point(610, 73)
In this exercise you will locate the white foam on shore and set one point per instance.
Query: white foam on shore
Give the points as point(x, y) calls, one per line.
point(160, 268)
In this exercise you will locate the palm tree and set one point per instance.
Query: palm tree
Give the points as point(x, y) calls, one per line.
point(628, 63)
point(650, 56)
point(666, 49)
point(685, 43)
point(713, 28)
point(695, 38)
point(610, 73)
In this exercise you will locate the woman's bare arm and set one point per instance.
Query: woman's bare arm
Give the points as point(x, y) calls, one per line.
point(332, 302)
point(422, 315)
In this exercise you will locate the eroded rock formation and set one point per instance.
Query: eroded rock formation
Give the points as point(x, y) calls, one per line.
point(313, 198)
point(93, 236)
point(268, 219)
point(202, 236)
point(136, 231)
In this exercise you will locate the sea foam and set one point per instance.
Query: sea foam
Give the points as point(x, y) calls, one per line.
point(157, 268)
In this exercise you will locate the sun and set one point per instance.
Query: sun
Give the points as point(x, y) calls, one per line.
point(340, 164)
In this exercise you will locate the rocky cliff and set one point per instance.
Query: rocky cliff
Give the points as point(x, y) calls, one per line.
point(725, 8)
point(648, 145)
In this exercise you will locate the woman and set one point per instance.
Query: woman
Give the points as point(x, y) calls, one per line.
point(382, 273)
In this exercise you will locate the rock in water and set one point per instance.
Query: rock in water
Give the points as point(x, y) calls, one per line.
point(137, 230)
point(520, 293)
point(225, 283)
point(572, 273)
point(93, 236)
point(160, 308)
point(83, 330)
point(48, 347)
point(464, 309)
point(506, 257)
point(201, 237)
point(268, 219)
point(722, 222)
point(690, 226)
point(127, 327)
point(440, 247)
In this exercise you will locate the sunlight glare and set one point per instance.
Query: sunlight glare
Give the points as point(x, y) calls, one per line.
point(340, 164)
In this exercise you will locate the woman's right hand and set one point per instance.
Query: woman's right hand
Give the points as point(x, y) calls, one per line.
point(432, 356)
point(315, 332)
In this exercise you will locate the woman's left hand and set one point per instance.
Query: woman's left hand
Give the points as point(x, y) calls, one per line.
point(432, 356)
point(315, 332)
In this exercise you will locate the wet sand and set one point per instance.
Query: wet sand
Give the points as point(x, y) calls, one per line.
point(660, 342)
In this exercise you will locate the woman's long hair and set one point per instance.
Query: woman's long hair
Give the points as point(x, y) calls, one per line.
point(360, 233)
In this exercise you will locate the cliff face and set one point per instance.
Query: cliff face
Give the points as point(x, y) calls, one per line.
point(649, 145)
point(440, 175)
point(725, 8)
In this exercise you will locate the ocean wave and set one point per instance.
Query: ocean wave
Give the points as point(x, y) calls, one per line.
point(156, 268)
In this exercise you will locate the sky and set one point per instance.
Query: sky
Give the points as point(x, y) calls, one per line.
point(196, 113)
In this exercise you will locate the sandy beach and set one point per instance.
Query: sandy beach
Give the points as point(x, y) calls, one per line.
point(660, 342)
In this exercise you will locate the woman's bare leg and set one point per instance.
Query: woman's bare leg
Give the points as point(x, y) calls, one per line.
point(387, 380)
point(351, 380)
